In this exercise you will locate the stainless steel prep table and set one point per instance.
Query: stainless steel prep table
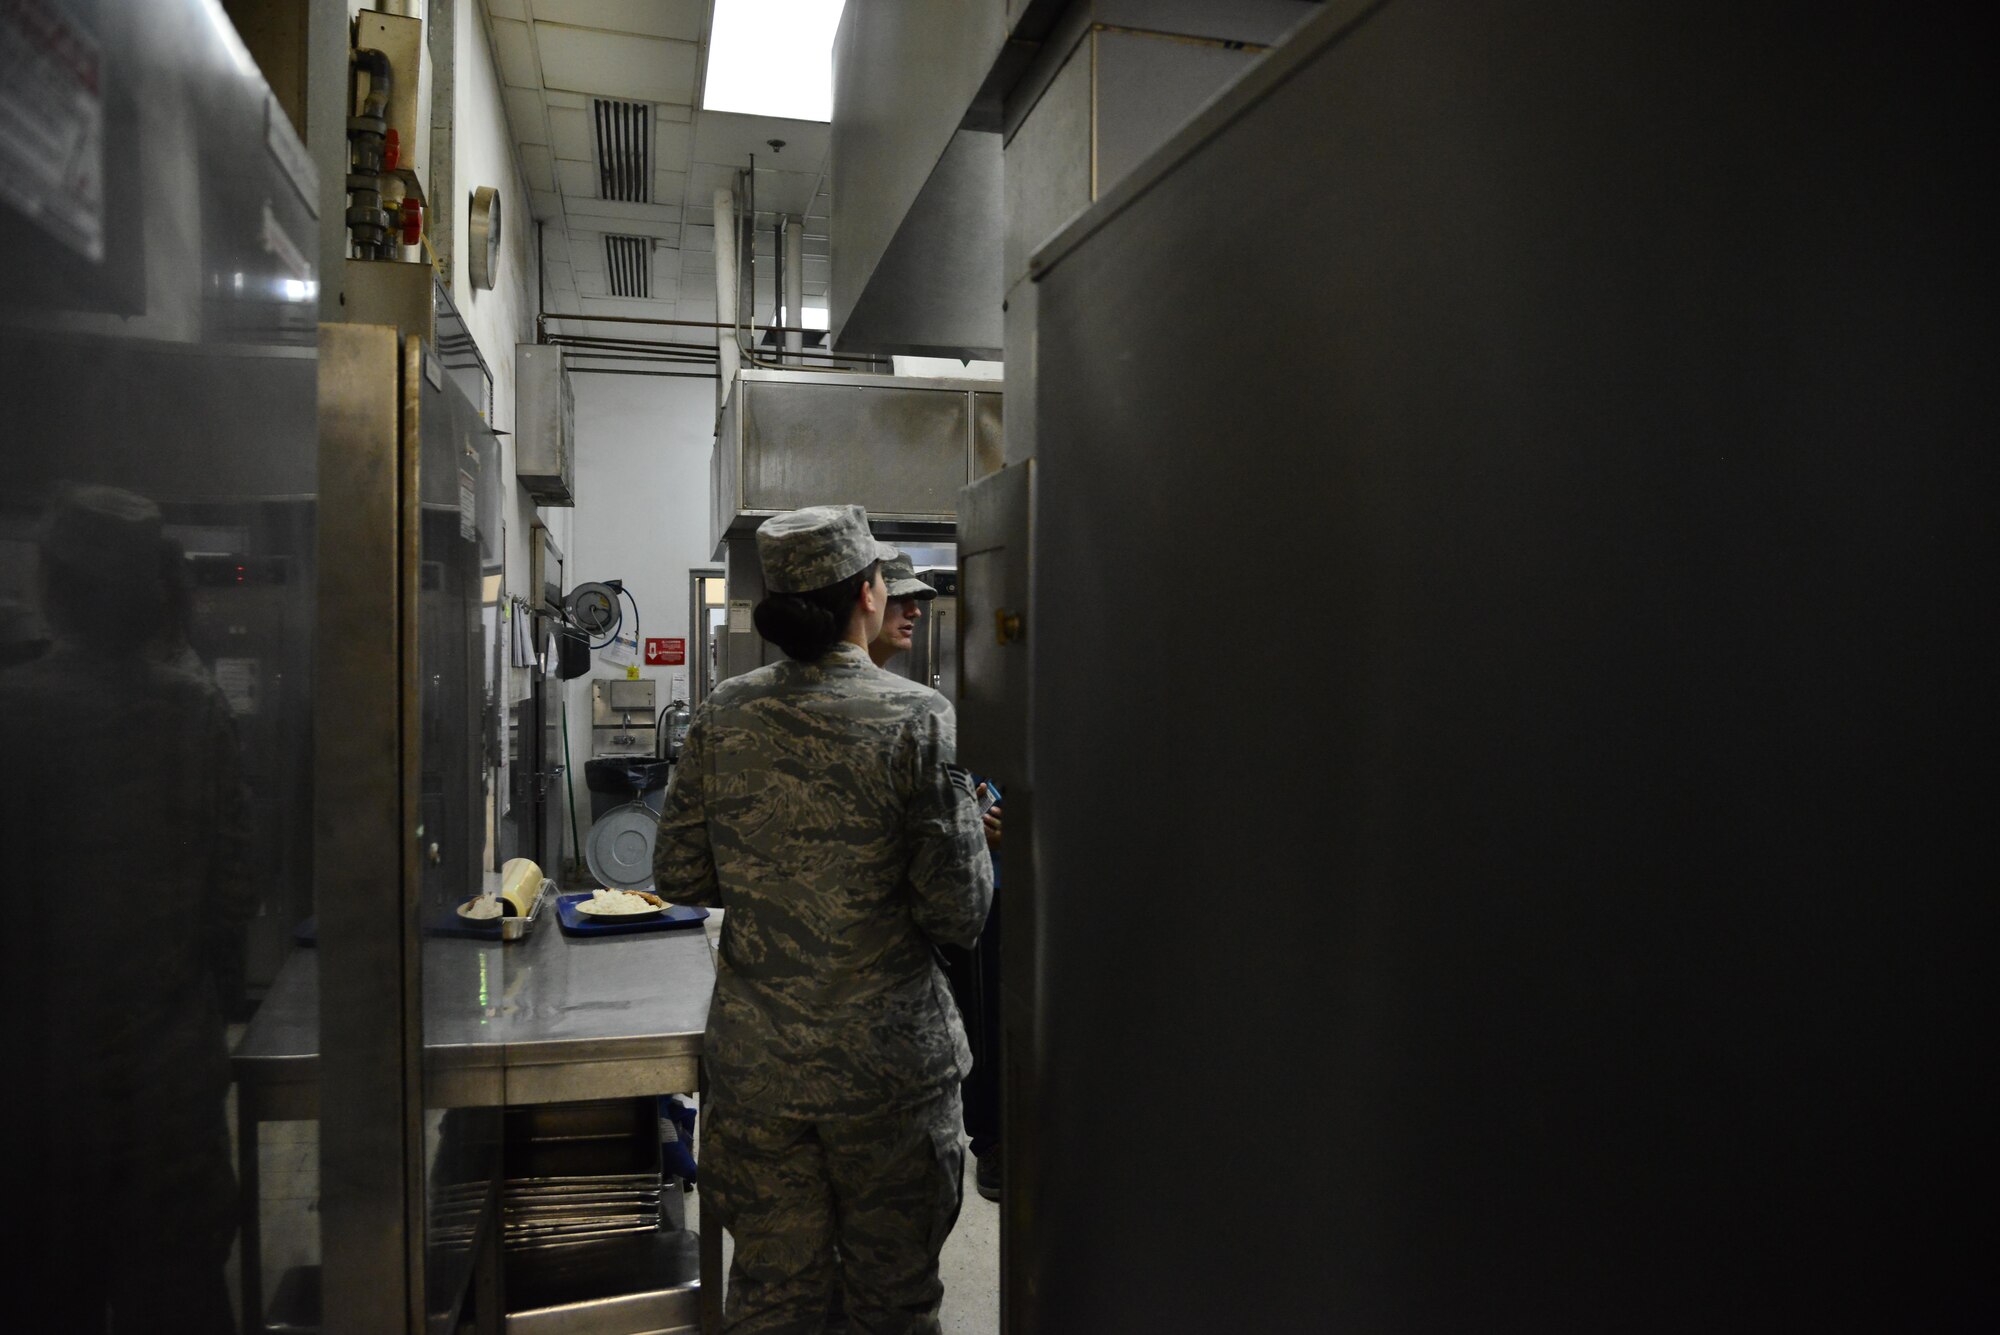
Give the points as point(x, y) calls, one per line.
point(551, 1019)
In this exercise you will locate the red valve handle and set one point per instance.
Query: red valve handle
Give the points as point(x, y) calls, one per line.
point(413, 222)
point(392, 151)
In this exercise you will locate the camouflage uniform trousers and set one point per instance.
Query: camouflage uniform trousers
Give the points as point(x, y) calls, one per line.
point(860, 1204)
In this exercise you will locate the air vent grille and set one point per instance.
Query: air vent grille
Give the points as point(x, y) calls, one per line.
point(628, 265)
point(624, 150)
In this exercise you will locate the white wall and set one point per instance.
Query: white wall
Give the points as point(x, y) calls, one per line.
point(484, 154)
point(642, 448)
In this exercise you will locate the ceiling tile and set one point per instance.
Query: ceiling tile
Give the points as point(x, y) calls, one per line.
point(639, 69)
point(545, 204)
point(649, 220)
point(525, 115)
point(667, 261)
point(629, 306)
point(555, 246)
point(507, 9)
point(784, 192)
point(539, 166)
point(697, 238)
point(649, 18)
point(557, 98)
point(618, 212)
point(723, 136)
point(590, 283)
point(516, 53)
point(570, 134)
point(696, 264)
point(674, 111)
point(670, 145)
point(579, 179)
point(669, 187)
point(705, 178)
point(558, 274)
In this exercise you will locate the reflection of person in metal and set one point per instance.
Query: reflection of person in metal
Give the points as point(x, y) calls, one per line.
point(128, 822)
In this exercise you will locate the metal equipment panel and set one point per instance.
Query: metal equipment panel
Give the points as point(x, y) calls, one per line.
point(993, 554)
point(400, 754)
point(903, 78)
point(544, 425)
point(1612, 932)
point(446, 699)
point(937, 291)
point(988, 429)
point(902, 447)
point(392, 292)
point(1147, 84)
point(893, 448)
point(360, 872)
point(1048, 177)
point(157, 655)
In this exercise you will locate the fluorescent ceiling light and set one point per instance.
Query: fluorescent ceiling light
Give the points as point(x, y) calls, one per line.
point(812, 317)
point(772, 58)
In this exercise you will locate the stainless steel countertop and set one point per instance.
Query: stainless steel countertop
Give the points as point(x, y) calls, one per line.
point(549, 1014)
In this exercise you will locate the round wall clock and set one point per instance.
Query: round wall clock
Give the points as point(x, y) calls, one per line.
point(483, 240)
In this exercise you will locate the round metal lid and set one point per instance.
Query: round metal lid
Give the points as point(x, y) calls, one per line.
point(619, 847)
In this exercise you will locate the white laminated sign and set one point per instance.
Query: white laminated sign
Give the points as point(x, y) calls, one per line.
point(52, 122)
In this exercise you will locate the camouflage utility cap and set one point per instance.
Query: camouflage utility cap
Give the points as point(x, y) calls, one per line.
point(816, 547)
point(903, 581)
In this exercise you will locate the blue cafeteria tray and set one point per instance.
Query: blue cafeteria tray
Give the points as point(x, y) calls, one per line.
point(577, 924)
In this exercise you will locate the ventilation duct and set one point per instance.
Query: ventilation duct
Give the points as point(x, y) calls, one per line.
point(624, 150)
point(628, 265)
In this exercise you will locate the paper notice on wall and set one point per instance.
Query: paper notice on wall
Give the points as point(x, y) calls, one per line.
point(739, 617)
point(623, 650)
point(523, 636)
point(468, 505)
point(52, 123)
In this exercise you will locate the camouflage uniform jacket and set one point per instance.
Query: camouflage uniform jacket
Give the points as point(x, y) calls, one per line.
point(818, 804)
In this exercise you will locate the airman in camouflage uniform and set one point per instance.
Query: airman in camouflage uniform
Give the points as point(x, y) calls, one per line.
point(818, 803)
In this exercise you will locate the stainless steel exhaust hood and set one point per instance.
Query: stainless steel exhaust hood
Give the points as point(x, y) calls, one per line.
point(901, 446)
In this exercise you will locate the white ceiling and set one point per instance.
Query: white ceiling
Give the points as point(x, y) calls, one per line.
point(554, 57)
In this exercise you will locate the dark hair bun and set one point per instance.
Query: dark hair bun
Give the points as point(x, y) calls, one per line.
point(806, 625)
point(802, 627)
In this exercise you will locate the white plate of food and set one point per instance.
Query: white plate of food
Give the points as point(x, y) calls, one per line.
point(613, 905)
